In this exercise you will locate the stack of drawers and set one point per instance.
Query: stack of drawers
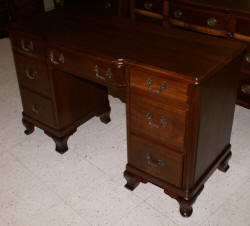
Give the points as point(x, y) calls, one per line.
point(33, 77)
point(157, 125)
point(53, 100)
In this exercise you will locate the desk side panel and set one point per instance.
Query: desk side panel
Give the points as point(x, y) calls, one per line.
point(218, 96)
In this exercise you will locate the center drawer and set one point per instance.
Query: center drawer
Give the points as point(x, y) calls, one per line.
point(155, 160)
point(163, 124)
point(93, 68)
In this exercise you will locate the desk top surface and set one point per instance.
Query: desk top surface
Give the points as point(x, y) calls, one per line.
point(182, 54)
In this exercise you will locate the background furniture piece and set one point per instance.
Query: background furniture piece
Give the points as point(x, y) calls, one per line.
point(224, 18)
point(4, 18)
point(179, 108)
point(25, 8)
point(111, 7)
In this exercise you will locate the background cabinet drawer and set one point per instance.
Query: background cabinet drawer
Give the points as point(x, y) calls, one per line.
point(150, 5)
point(32, 74)
point(157, 86)
point(155, 160)
point(37, 107)
point(162, 124)
point(200, 17)
point(94, 69)
point(28, 45)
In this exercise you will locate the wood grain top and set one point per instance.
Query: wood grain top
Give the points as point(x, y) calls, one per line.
point(182, 54)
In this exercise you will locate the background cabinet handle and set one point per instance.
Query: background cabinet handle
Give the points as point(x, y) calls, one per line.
point(30, 76)
point(28, 48)
point(154, 163)
point(53, 61)
point(178, 13)
point(211, 22)
point(148, 5)
point(162, 88)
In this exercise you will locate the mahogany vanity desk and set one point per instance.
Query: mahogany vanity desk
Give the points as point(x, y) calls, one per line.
point(180, 92)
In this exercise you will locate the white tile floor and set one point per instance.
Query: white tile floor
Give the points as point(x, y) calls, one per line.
point(85, 186)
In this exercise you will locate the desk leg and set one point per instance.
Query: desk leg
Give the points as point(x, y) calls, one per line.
point(105, 117)
point(61, 142)
point(29, 127)
point(224, 166)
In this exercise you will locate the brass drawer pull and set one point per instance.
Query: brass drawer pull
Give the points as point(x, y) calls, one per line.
point(154, 163)
point(163, 121)
point(148, 5)
point(162, 88)
point(211, 22)
point(34, 109)
point(30, 76)
point(247, 57)
point(108, 73)
point(245, 88)
point(178, 13)
point(53, 61)
point(28, 48)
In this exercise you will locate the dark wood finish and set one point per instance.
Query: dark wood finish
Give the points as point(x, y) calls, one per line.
point(29, 127)
point(176, 76)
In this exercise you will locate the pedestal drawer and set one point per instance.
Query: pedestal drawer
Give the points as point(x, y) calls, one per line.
point(27, 44)
point(163, 124)
point(159, 87)
point(155, 160)
point(33, 74)
point(37, 107)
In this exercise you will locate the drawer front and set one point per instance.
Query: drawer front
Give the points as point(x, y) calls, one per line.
point(28, 45)
point(147, 19)
point(94, 69)
point(242, 26)
point(33, 74)
point(155, 160)
point(203, 18)
point(37, 107)
point(163, 124)
point(244, 89)
point(154, 85)
point(150, 5)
